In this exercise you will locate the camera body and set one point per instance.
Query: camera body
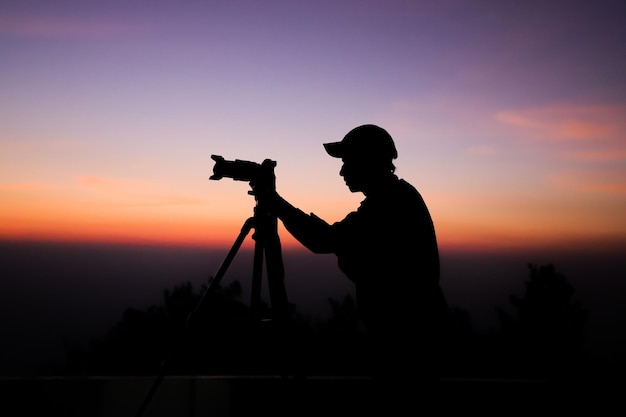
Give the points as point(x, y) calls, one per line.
point(242, 170)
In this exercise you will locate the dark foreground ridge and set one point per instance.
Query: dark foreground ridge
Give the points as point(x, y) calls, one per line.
point(278, 396)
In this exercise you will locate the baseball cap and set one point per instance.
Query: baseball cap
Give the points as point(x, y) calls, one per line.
point(365, 141)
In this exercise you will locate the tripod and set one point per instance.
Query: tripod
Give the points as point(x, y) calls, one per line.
point(267, 247)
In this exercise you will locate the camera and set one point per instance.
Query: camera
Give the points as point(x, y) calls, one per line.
point(242, 170)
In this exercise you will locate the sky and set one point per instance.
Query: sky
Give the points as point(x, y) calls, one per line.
point(509, 117)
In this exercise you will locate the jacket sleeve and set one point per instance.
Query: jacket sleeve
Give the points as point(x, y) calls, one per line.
point(311, 231)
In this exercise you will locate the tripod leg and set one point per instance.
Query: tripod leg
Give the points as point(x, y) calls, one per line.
point(268, 246)
point(279, 329)
point(276, 276)
point(247, 226)
point(212, 285)
point(257, 275)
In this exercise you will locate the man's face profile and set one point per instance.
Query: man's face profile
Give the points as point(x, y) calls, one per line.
point(355, 173)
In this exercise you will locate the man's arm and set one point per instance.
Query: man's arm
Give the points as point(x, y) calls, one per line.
point(313, 232)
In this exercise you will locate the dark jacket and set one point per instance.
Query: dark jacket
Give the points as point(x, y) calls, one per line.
point(388, 248)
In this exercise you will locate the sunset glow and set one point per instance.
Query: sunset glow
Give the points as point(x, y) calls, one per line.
point(109, 116)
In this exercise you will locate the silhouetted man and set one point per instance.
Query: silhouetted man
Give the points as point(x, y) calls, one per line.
point(388, 248)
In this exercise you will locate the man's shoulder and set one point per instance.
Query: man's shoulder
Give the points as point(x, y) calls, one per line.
point(404, 190)
point(405, 185)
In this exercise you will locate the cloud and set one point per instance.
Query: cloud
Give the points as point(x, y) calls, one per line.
point(610, 182)
point(135, 192)
point(590, 138)
point(569, 123)
point(596, 155)
point(517, 119)
point(589, 135)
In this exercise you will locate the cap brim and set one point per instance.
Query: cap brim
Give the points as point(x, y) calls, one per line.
point(334, 149)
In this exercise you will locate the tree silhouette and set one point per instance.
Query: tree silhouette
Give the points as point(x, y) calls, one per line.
point(142, 338)
point(545, 336)
point(224, 337)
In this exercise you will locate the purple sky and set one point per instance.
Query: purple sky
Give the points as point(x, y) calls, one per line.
point(508, 116)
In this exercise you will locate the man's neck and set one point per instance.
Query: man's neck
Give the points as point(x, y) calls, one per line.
point(379, 184)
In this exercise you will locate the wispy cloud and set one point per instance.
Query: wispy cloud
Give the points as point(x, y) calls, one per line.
point(135, 192)
point(564, 123)
point(611, 182)
point(591, 140)
point(596, 155)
